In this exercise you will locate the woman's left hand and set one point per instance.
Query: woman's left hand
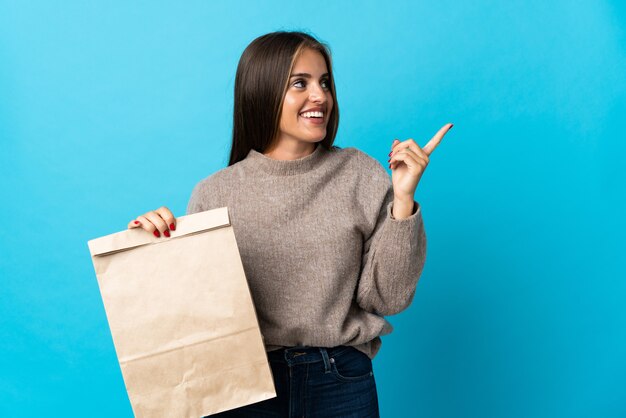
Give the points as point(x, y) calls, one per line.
point(408, 162)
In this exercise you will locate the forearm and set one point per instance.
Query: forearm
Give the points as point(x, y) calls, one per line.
point(393, 265)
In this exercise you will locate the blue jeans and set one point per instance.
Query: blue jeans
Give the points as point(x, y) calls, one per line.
point(314, 382)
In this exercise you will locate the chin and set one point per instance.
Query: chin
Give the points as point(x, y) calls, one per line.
point(318, 138)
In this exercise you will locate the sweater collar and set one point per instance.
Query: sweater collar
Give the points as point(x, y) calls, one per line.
point(286, 167)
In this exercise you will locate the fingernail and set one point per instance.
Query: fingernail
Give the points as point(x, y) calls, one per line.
point(450, 126)
point(166, 233)
point(389, 165)
point(173, 227)
point(390, 153)
point(157, 233)
point(136, 222)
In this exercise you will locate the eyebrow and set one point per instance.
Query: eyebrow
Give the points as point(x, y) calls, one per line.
point(305, 75)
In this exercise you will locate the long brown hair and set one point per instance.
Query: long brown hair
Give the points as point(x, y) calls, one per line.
point(261, 84)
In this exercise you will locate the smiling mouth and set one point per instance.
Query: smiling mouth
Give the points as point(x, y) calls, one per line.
point(315, 114)
point(314, 120)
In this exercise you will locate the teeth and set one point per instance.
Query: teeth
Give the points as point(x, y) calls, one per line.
point(313, 114)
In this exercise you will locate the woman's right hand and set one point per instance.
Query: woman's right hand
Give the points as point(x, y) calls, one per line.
point(155, 222)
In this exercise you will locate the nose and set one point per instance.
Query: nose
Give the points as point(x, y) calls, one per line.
point(316, 94)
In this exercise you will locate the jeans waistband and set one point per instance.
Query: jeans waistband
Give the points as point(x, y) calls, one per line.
point(302, 355)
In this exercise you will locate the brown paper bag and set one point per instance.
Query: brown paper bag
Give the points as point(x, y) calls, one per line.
point(182, 319)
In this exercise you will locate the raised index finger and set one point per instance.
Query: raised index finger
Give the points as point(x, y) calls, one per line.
point(435, 140)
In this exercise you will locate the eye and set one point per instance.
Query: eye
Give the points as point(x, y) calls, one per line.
point(325, 83)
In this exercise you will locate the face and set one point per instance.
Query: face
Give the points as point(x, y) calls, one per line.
point(308, 90)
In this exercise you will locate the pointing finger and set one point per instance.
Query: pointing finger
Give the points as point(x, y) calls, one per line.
point(434, 142)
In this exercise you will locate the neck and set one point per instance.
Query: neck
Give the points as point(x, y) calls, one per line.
point(291, 151)
point(286, 166)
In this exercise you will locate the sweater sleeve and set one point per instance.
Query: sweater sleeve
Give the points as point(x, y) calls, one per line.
point(393, 255)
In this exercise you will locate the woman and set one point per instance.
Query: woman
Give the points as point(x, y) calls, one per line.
point(329, 245)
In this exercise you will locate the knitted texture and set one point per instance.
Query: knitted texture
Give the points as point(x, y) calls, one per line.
point(324, 258)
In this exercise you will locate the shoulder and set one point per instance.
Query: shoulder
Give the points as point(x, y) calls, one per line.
point(209, 192)
point(370, 181)
point(365, 165)
point(367, 175)
point(217, 180)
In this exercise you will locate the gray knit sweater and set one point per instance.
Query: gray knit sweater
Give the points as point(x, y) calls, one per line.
point(324, 258)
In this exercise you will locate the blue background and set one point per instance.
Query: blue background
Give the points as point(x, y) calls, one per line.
point(108, 110)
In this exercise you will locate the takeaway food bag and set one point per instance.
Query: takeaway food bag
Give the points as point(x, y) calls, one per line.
point(182, 318)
